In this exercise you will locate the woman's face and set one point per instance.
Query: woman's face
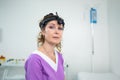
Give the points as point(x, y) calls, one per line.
point(53, 32)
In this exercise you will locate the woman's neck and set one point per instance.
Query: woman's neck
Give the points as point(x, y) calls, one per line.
point(47, 48)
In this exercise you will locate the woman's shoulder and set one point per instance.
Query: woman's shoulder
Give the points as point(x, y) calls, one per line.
point(33, 57)
point(59, 53)
point(33, 61)
point(60, 56)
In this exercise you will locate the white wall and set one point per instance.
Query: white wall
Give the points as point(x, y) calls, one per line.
point(19, 27)
point(114, 30)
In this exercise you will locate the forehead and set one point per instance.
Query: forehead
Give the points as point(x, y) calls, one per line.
point(53, 22)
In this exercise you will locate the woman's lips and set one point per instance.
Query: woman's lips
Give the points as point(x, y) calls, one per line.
point(56, 37)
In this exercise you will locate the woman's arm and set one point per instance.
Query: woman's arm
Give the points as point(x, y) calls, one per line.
point(33, 68)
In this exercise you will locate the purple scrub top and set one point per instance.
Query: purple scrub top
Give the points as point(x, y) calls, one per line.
point(37, 68)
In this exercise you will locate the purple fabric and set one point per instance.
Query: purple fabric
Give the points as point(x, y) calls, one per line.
point(38, 69)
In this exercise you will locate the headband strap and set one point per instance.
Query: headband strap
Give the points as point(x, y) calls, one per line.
point(50, 18)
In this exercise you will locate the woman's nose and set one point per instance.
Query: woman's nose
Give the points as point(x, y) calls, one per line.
point(56, 30)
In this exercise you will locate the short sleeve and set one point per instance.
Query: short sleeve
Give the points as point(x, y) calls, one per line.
point(33, 68)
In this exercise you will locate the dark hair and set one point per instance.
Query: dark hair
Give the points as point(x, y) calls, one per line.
point(50, 17)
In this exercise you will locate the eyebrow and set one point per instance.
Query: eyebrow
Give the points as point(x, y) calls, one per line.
point(53, 24)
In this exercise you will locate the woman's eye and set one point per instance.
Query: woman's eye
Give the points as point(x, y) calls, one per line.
point(51, 27)
point(61, 28)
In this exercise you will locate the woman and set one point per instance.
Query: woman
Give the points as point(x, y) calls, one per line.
point(46, 63)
